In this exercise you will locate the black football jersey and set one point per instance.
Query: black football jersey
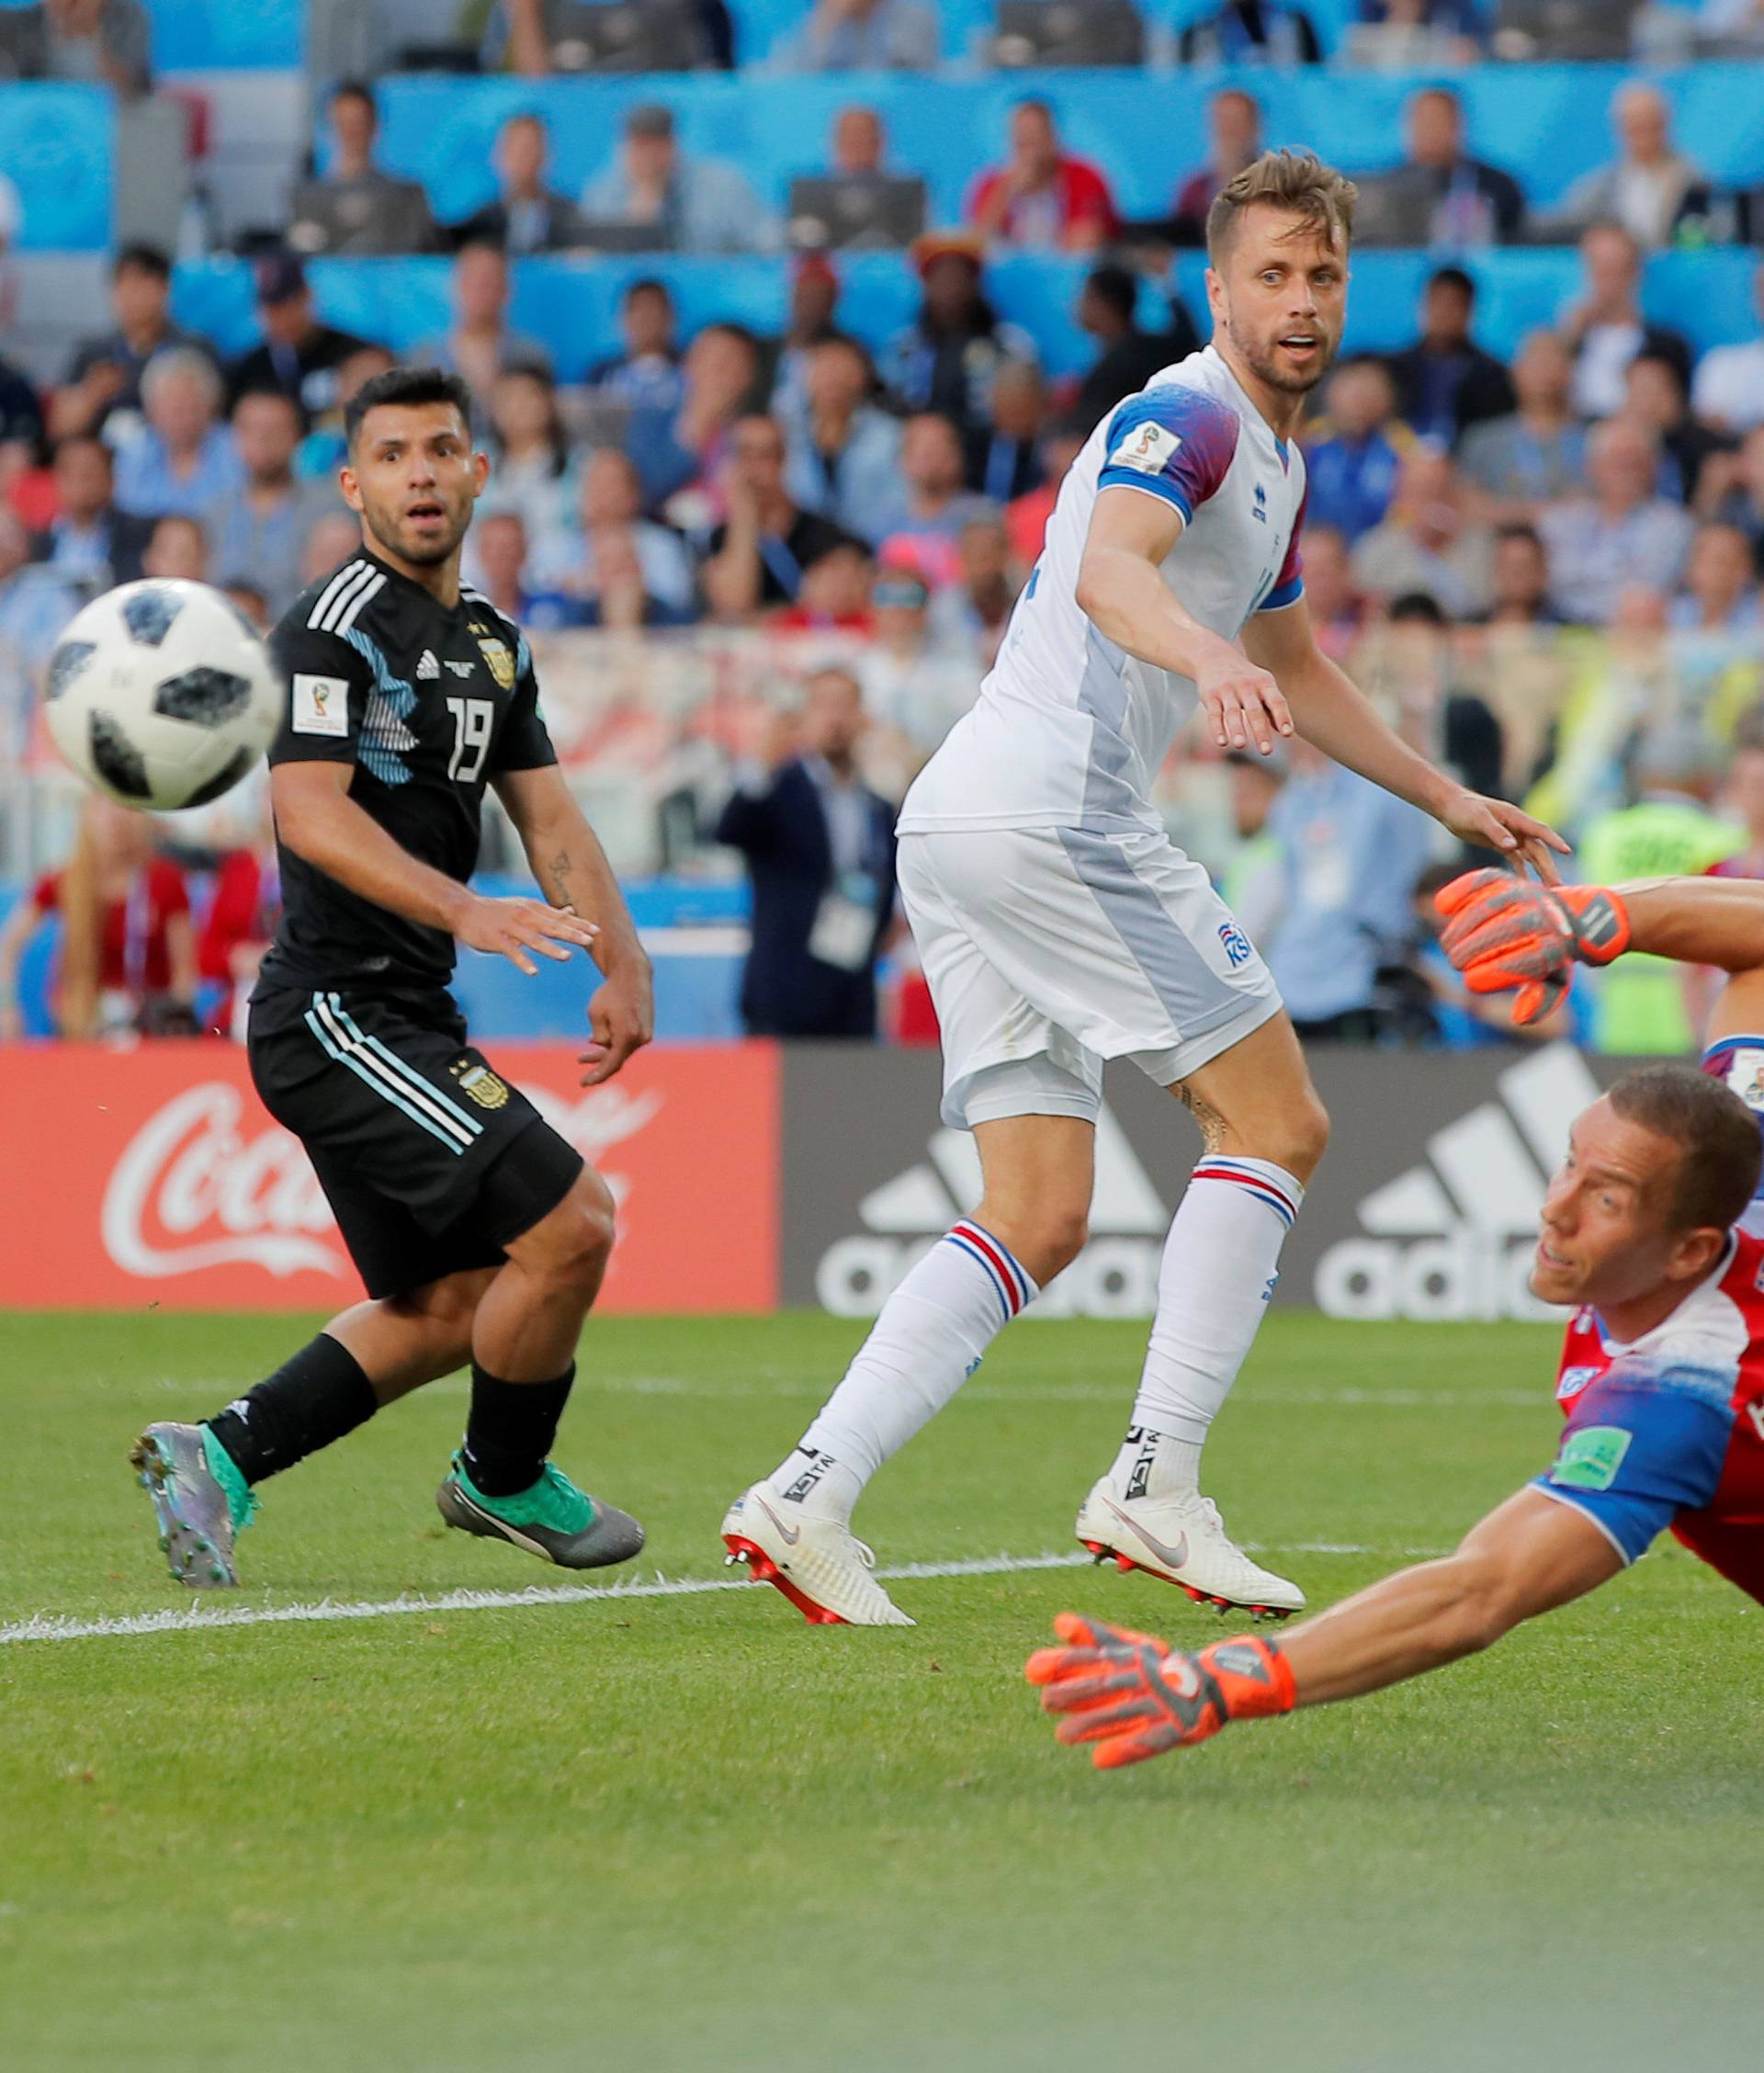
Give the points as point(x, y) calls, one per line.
point(428, 703)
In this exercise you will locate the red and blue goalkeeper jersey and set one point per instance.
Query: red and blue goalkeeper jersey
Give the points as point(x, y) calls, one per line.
point(1668, 1431)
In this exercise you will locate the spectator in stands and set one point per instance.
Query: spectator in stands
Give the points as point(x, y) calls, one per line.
point(529, 448)
point(762, 552)
point(970, 616)
point(36, 603)
point(1004, 456)
point(499, 565)
point(835, 596)
point(1647, 187)
point(331, 543)
point(610, 591)
point(820, 852)
point(1350, 474)
point(1719, 594)
point(1234, 133)
point(89, 543)
point(1351, 853)
point(1107, 310)
point(1445, 382)
point(1025, 520)
point(251, 604)
point(675, 451)
point(104, 373)
point(1450, 724)
point(1520, 580)
point(695, 205)
point(128, 947)
point(865, 36)
point(1727, 389)
point(609, 505)
point(915, 691)
point(1415, 35)
point(814, 297)
point(323, 448)
point(1538, 452)
point(1454, 200)
point(177, 549)
point(357, 207)
point(1337, 608)
point(948, 359)
point(1731, 488)
point(1250, 32)
point(1428, 542)
point(480, 345)
point(1604, 329)
point(937, 505)
point(1042, 198)
point(243, 915)
point(844, 452)
point(1623, 532)
point(858, 146)
point(183, 458)
point(525, 215)
point(21, 419)
point(102, 42)
point(298, 356)
point(647, 374)
point(255, 531)
point(1654, 392)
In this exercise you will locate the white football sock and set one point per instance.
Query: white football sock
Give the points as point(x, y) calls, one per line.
point(1218, 1270)
point(929, 1337)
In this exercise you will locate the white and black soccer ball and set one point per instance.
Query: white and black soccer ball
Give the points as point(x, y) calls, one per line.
point(162, 694)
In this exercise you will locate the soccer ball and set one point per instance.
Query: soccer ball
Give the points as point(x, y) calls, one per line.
point(161, 695)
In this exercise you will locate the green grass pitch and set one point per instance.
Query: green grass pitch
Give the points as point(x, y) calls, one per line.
point(691, 1832)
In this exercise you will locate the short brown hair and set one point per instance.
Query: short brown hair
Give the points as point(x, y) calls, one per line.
point(1720, 1149)
point(1296, 181)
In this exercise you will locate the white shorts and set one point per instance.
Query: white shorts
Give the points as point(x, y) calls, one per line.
point(1049, 950)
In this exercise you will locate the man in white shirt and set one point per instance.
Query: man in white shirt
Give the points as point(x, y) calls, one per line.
point(1728, 388)
point(1060, 928)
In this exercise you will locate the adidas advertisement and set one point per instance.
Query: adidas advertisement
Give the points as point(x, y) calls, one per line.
point(1426, 1206)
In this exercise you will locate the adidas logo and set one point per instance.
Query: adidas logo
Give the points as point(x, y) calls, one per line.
point(1453, 1239)
point(428, 668)
point(1116, 1275)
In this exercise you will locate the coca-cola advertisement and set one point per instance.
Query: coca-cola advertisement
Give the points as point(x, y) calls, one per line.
point(153, 1175)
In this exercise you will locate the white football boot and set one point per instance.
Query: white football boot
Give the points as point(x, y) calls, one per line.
point(819, 1565)
point(1184, 1540)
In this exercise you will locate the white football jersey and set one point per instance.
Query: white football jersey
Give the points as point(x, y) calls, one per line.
point(1070, 730)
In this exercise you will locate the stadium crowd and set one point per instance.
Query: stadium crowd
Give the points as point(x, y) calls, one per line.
point(1549, 565)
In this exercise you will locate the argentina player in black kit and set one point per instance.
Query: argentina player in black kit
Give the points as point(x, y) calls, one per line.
point(481, 1235)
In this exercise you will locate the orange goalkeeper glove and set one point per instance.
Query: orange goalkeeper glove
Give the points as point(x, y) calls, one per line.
point(1131, 1696)
point(1505, 933)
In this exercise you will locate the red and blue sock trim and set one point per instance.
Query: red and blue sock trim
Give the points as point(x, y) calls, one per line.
point(1255, 1180)
point(1009, 1282)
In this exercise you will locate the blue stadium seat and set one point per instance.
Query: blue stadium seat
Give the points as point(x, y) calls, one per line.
point(227, 34)
point(57, 147)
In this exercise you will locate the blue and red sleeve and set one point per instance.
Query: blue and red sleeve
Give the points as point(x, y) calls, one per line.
point(1173, 442)
point(1643, 1444)
point(1289, 585)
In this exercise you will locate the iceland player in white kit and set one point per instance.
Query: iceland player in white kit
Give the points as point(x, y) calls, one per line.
point(1060, 927)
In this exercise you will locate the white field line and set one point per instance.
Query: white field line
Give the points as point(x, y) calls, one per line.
point(194, 1619)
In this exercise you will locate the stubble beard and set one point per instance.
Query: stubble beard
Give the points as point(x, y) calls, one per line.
point(386, 536)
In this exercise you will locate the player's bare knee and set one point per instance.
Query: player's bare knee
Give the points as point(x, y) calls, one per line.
point(1307, 1131)
point(1056, 1233)
point(582, 1236)
point(1482, 1607)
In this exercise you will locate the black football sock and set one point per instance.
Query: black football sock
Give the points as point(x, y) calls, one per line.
point(510, 1429)
point(311, 1400)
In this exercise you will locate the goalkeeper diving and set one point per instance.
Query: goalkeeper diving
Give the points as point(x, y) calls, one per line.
point(1650, 1235)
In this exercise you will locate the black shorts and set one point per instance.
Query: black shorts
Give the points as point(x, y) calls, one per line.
point(431, 1161)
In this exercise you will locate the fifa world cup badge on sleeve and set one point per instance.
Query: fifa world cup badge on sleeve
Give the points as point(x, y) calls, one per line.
point(320, 705)
point(1146, 448)
point(1591, 1458)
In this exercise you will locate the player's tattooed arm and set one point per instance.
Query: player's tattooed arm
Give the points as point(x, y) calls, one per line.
point(571, 868)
